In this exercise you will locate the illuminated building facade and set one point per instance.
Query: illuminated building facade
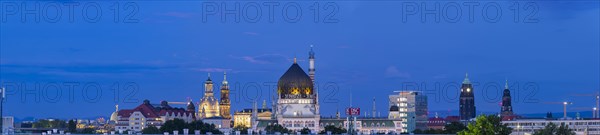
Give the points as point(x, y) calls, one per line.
point(209, 106)
point(225, 104)
point(410, 107)
point(147, 114)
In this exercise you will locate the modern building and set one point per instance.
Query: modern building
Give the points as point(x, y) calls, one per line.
point(467, 100)
point(8, 124)
point(148, 114)
point(411, 108)
point(528, 126)
point(209, 106)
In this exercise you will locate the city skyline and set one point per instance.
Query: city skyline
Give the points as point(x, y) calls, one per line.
point(559, 54)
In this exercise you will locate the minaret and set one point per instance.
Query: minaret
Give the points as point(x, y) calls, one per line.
point(311, 64)
point(311, 74)
point(506, 109)
point(224, 103)
point(467, 100)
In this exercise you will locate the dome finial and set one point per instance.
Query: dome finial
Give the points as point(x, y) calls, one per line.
point(295, 60)
point(116, 107)
point(224, 75)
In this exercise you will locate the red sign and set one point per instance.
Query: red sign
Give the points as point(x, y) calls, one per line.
point(352, 111)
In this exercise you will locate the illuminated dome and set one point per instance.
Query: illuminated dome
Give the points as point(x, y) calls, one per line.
point(295, 83)
point(114, 116)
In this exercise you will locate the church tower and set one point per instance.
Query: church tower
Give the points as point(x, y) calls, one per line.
point(506, 109)
point(209, 106)
point(467, 100)
point(225, 104)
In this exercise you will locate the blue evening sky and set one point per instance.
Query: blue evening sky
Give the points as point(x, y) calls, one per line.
point(365, 50)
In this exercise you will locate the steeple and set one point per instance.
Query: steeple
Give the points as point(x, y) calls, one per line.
point(466, 81)
point(506, 84)
point(264, 104)
point(295, 60)
point(374, 108)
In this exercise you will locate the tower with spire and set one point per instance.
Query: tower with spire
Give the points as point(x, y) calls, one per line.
point(467, 100)
point(224, 102)
point(506, 109)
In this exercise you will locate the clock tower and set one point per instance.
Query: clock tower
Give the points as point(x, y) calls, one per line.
point(467, 100)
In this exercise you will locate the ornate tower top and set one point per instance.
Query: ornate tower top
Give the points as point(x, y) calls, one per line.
point(506, 84)
point(466, 81)
point(224, 78)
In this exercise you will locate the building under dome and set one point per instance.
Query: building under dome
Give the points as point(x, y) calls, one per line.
point(295, 84)
point(209, 105)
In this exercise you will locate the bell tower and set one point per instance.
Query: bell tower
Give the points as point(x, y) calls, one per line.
point(224, 103)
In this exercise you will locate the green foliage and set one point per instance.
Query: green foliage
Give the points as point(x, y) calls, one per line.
point(49, 124)
point(151, 130)
point(454, 127)
point(333, 129)
point(552, 129)
point(271, 129)
point(172, 125)
point(88, 131)
point(242, 129)
point(429, 131)
point(71, 126)
point(305, 131)
point(179, 125)
point(487, 125)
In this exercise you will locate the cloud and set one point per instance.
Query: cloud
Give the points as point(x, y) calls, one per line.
point(252, 33)
point(84, 69)
point(211, 69)
point(177, 14)
point(393, 72)
point(264, 58)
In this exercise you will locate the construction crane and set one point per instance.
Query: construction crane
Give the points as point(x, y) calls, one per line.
point(564, 107)
point(597, 98)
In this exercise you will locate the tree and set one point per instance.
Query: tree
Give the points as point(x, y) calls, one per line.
point(172, 125)
point(334, 130)
point(271, 129)
point(305, 131)
point(454, 127)
point(88, 131)
point(242, 129)
point(487, 125)
point(551, 129)
point(151, 130)
point(72, 126)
